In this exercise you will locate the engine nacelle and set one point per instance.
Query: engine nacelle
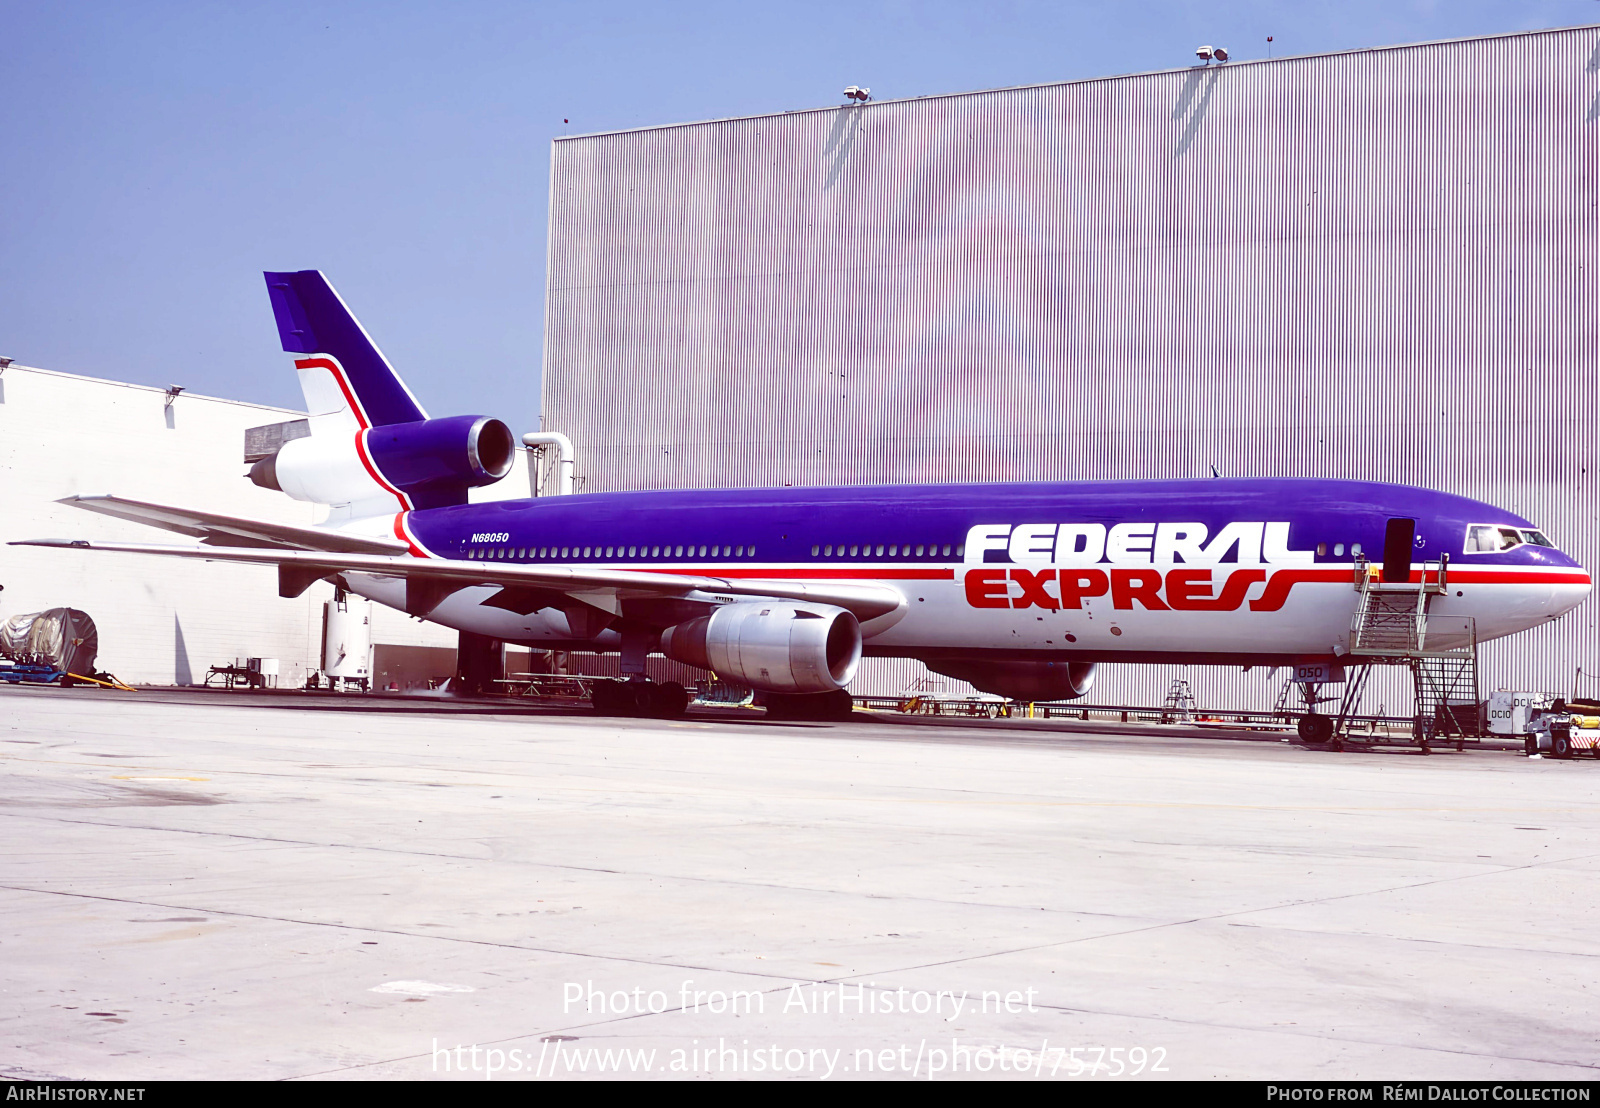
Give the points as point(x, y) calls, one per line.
point(1021, 680)
point(432, 461)
point(774, 646)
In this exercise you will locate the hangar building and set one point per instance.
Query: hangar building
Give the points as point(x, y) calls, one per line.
point(1377, 264)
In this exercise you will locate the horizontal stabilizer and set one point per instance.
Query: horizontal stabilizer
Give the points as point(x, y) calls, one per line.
point(215, 529)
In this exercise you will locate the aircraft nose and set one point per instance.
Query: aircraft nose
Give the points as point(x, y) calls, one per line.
point(1563, 558)
point(1568, 589)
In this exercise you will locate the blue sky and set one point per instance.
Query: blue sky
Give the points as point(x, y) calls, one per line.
point(159, 156)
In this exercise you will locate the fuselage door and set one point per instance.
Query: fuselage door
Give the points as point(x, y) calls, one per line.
point(1399, 540)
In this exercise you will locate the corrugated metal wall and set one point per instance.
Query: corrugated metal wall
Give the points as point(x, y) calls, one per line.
point(1377, 264)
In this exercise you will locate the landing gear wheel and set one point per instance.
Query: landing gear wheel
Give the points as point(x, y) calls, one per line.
point(607, 698)
point(1315, 730)
point(836, 705)
point(639, 698)
point(668, 701)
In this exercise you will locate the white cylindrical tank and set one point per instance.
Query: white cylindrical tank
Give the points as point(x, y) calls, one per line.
point(347, 638)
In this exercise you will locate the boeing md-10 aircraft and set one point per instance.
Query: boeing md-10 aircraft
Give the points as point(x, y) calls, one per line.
point(1020, 589)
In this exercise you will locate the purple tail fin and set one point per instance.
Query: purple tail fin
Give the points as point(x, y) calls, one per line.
point(313, 320)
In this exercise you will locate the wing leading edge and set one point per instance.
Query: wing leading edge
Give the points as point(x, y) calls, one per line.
point(216, 529)
point(429, 581)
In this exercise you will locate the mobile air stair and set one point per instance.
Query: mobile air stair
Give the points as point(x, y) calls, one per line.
point(1391, 628)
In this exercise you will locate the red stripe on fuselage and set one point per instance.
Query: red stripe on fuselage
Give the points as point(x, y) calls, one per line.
point(372, 471)
point(1517, 577)
point(403, 533)
point(869, 573)
point(1279, 584)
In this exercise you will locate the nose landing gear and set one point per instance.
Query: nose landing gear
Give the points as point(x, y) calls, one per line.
point(640, 698)
point(1315, 730)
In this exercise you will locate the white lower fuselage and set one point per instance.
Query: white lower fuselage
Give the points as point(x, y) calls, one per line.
point(938, 619)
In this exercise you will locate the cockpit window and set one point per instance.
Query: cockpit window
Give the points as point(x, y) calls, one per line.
point(1537, 538)
point(1491, 538)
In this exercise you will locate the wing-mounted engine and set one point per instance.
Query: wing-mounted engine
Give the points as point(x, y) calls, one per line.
point(429, 463)
point(1021, 680)
point(774, 646)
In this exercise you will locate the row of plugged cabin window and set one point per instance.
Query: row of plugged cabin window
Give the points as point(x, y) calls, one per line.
point(868, 550)
point(1338, 550)
point(567, 553)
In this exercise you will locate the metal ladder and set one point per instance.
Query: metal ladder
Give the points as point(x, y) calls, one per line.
point(1280, 707)
point(1180, 705)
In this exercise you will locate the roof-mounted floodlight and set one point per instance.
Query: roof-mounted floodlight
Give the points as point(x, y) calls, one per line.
point(4, 362)
point(1204, 53)
point(172, 393)
point(1220, 54)
point(858, 94)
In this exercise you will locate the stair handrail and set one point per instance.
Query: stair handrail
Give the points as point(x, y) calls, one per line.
point(1361, 576)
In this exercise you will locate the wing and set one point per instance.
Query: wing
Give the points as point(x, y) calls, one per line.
point(430, 580)
point(215, 529)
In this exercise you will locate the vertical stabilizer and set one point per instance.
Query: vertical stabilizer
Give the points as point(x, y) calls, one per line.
point(345, 377)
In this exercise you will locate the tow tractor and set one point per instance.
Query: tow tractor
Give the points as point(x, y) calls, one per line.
point(1561, 732)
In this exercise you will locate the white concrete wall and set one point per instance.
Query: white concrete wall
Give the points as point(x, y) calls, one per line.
point(161, 621)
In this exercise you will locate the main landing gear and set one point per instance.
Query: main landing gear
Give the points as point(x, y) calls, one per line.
point(836, 705)
point(640, 698)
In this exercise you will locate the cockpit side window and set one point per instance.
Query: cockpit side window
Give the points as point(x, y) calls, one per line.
point(1492, 538)
point(1537, 538)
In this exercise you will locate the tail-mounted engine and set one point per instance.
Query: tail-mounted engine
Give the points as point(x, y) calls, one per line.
point(776, 646)
point(1021, 680)
point(427, 464)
